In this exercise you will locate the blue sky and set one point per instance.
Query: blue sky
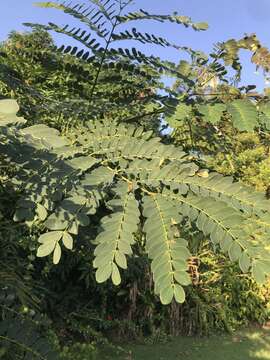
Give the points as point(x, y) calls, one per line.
point(226, 18)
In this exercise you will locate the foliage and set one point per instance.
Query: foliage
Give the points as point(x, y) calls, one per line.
point(81, 174)
point(222, 126)
point(209, 115)
point(79, 352)
point(223, 298)
point(24, 337)
point(54, 87)
point(99, 34)
point(229, 52)
point(249, 161)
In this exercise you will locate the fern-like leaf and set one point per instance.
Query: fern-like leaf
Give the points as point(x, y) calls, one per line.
point(117, 235)
point(144, 15)
point(212, 113)
point(145, 38)
point(167, 251)
point(93, 18)
point(82, 36)
point(244, 115)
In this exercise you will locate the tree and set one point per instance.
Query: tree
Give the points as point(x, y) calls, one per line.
point(225, 126)
point(54, 87)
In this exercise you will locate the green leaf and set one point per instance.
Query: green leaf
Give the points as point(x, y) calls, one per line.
point(265, 117)
point(82, 163)
point(48, 4)
point(51, 137)
point(67, 240)
point(57, 254)
point(54, 223)
point(244, 262)
point(73, 228)
point(235, 252)
point(166, 295)
point(184, 68)
point(46, 249)
point(23, 214)
point(83, 219)
point(104, 273)
point(121, 260)
point(212, 113)
point(258, 272)
point(182, 277)
point(180, 114)
point(8, 106)
point(179, 294)
point(41, 212)
point(49, 243)
point(51, 236)
point(201, 26)
point(116, 278)
point(244, 114)
point(98, 176)
point(226, 244)
point(27, 204)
